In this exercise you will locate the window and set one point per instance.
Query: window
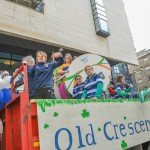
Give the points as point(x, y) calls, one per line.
point(99, 13)
point(9, 65)
point(100, 2)
point(16, 57)
point(100, 19)
point(9, 62)
point(116, 69)
point(96, 6)
point(5, 55)
point(125, 67)
point(97, 16)
point(37, 5)
point(104, 26)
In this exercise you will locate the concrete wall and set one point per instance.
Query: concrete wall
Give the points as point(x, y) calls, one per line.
point(69, 23)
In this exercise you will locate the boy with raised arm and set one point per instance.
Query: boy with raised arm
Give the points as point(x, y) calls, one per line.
point(43, 74)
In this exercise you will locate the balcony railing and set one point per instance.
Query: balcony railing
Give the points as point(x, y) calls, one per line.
point(37, 5)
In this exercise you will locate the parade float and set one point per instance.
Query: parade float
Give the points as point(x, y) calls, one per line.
point(71, 124)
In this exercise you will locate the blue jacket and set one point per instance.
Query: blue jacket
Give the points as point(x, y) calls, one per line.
point(43, 73)
point(78, 90)
point(93, 87)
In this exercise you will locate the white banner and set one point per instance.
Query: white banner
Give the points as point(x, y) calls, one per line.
point(88, 125)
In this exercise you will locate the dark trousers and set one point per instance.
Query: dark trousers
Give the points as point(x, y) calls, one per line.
point(44, 93)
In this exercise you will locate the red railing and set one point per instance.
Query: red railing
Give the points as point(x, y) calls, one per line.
point(19, 118)
point(23, 70)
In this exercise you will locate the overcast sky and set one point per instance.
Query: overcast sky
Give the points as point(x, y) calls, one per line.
point(138, 13)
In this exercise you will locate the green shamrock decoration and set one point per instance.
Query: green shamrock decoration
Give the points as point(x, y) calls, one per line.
point(85, 113)
point(46, 126)
point(124, 144)
point(124, 117)
point(55, 114)
point(99, 129)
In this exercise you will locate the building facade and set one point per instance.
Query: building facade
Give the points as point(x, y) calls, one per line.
point(77, 26)
point(141, 74)
point(122, 68)
point(95, 26)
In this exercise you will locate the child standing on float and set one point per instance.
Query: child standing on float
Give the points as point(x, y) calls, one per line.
point(122, 89)
point(63, 69)
point(93, 85)
point(43, 74)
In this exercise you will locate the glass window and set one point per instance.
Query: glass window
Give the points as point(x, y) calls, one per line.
point(100, 2)
point(5, 55)
point(103, 24)
point(100, 17)
point(98, 11)
point(37, 5)
point(116, 69)
point(14, 65)
point(9, 62)
point(9, 65)
point(125, 67)
point(4, 64)
point(101, 12)
point(100, 7)
point(17, 57)
point(96, 6)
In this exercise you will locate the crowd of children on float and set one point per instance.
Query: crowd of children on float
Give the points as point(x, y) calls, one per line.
point(42, 75)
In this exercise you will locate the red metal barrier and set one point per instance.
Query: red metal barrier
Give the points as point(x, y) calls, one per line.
point(19, 118)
